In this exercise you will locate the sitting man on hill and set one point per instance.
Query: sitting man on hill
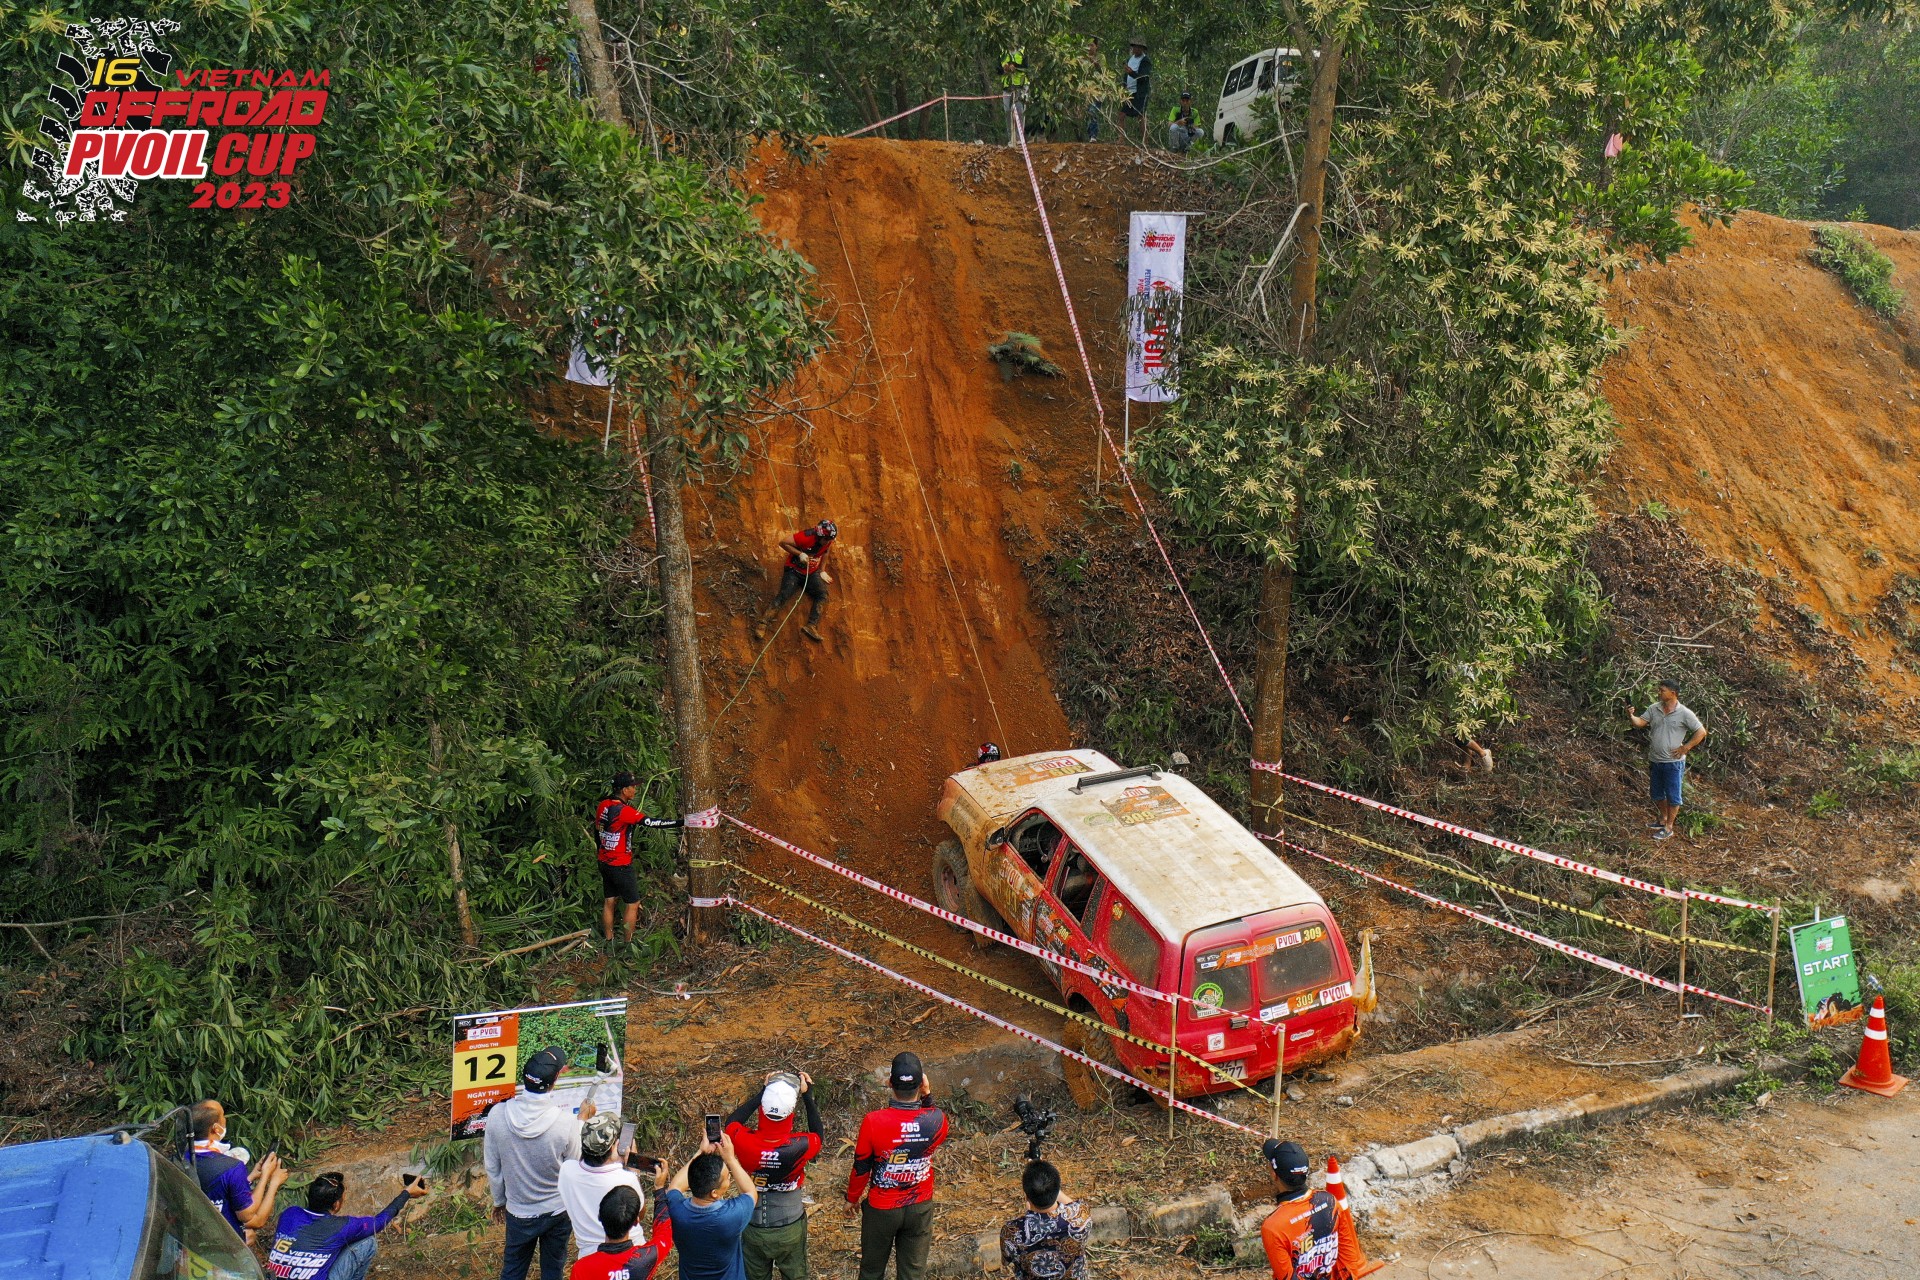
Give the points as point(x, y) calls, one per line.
point(320, 1243)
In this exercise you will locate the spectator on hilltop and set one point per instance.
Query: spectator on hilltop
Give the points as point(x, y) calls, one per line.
point(776, 1155)
point(527, 1138)
point(1095, 74)
point(1182, 132)
point(244, 1199)
point(707, 1223)
point(320, 1243)
point(1049, 1240)
point(1673, 732)
point(893, 1170)
point(584, 1183)
point(1138, 82)
point(617, 1257)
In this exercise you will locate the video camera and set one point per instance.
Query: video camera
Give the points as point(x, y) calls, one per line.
point(1035, 1123)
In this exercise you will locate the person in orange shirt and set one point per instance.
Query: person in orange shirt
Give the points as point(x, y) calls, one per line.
point(1306, 1236)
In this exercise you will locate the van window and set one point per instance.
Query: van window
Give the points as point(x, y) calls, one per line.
point(1237, 79)
point(1218, 988)
point(1077, 881)
point(1266, 74)
point(1303, 966)
point(1133, 945)
point(1035, 839)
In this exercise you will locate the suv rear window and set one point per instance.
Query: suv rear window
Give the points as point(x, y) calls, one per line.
point(1308, 963)
point(1299, 959)
point(1135, 947)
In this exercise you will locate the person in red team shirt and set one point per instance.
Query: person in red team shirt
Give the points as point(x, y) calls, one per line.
point(893, 1169)
point(614, 819)
point(777, 1158)
point(619, 1258)
point(805, 570)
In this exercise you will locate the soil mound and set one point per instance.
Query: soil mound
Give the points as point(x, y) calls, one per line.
point(1776, 418)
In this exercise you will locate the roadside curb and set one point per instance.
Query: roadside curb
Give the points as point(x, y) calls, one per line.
point(1387, 1174)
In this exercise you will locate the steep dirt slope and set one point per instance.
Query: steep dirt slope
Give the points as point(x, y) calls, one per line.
point(934, 469)
point(1779, 420)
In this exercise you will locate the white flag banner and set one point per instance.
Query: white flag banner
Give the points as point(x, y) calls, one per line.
point(1156, 276)
point(583, 368)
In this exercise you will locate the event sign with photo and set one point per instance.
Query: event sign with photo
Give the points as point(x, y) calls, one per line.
point(490, 1048)
point(1156, 277)
point(1829, 979)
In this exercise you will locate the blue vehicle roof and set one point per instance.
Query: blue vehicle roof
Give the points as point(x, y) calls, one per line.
point(74, 1208)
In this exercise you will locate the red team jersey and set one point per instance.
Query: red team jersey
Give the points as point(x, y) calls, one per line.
point(893, 1157)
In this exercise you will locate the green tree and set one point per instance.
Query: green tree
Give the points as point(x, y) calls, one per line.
point(316, 627)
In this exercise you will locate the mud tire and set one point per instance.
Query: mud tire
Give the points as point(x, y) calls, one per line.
point(1091, 1090)
point(953, 889)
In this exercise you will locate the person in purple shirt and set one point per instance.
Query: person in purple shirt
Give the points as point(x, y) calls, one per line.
point(244, 1199)
point(317, 1243)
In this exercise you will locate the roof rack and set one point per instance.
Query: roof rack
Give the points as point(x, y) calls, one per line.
point(1115, 775)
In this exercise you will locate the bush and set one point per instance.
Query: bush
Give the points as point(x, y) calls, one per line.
point(1863, 268)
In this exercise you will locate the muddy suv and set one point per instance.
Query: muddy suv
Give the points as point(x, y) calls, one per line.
point(1138, 871)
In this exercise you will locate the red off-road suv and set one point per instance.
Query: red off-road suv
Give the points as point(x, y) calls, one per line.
point(1137, 870)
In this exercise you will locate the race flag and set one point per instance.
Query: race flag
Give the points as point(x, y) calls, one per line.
point(583, 368)
point(1156, 276)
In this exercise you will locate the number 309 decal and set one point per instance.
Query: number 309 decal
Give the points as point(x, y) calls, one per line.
point(230, 195)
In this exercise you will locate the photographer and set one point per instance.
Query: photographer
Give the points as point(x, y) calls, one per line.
point(707, 1224)
point(584, 1183)
point(1049, 1240)
point(317, 1243)
point(777, 1158)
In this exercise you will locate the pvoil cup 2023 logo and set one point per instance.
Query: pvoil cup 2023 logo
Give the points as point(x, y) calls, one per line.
point(123, 114)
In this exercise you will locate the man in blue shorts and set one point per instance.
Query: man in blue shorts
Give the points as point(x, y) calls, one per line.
point(1673, 732)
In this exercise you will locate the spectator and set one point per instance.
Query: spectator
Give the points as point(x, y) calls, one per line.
point(617, 1257)
point(1181, 130)
point(584, 1183)
point(1013, 93)
point(1093, 74)
point(1306, 1235)
point(777, 1158)
point(707, 1226)
point(614, 819)
point(1674, 732)
point(527, 1138)
point(1138, 82)
point(893, 1169)
point(244, 1199)
point(319, 1243)
point(1049, 1240)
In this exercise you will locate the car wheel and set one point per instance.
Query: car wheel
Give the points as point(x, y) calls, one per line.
point(1091, 1090)
point(953, 889)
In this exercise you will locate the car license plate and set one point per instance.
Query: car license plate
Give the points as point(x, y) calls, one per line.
point(1232, 1070)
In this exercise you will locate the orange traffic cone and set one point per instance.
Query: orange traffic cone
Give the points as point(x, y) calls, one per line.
point(1337, 1188)
point(1874, 1071)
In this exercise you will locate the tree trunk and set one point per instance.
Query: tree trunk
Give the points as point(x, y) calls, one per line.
point(436, 755)
point(695, 748)
point(1274, 622)
point(593, 59)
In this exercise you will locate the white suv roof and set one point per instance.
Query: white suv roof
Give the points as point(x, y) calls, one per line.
point(1179, 858)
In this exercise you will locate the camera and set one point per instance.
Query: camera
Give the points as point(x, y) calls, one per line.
point(1035, 1123)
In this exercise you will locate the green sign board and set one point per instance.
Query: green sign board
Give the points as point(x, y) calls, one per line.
point(1829, 979)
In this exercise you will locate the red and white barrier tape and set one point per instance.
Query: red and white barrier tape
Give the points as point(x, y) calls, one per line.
point(1624, 970)
point(1100, 415)
point(704, 820)
point(1103, 976)
point(1525, 851)
point(984, 1016)
point(930, 102)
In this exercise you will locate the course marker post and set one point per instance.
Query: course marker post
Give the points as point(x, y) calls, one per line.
point(1173, 1039)
point(1773, 963)
point(1685, 899)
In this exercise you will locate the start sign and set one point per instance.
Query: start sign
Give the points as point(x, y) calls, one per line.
point(1829, 979)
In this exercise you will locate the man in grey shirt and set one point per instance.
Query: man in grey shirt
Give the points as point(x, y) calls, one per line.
point(1673, 732)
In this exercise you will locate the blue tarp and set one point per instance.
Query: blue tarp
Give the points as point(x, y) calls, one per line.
point(73, 1209)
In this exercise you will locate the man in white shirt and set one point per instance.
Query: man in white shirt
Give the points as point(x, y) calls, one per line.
point(586, 1181)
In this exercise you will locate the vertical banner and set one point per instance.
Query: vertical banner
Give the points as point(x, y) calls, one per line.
point(1829, 979)
point(490, 1048)
point(1156, 277)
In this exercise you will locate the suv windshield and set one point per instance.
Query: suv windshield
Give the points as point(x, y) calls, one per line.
point(185, 1237)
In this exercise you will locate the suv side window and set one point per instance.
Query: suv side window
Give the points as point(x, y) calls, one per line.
point(1035, 839)
point(1132, 943)
point(1078, 880)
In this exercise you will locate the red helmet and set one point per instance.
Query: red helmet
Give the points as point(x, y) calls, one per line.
point(989, 752)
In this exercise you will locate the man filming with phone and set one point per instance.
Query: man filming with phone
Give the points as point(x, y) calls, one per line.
point(707, 1223)
point(318, 1242)
point(602, 1166)
point(776, 1154)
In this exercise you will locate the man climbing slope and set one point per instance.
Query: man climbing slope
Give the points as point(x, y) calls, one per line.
point(805, 570)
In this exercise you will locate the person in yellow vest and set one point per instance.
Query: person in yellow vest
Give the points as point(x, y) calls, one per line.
point(1013, 93)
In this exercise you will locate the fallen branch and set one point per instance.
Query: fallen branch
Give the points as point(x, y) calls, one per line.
point(1637, 1062)
point(575, 936)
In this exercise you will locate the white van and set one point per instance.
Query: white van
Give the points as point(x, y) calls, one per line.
point(1274, 72)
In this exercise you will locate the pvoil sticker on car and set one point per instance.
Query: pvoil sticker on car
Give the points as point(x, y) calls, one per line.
point(1334, 994)
point(1041, 770)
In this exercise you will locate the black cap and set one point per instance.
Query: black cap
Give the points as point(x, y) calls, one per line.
point(1285, 1158)
point(542, 1069)
point(623, 780)
point(907, 1073)
point(1186, 93)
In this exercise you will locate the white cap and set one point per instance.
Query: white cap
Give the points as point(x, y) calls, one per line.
point(778, 1100)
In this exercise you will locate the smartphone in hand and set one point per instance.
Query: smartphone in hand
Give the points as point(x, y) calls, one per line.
point(643, 1164)
point(625, 1144)
point(713, 1130)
